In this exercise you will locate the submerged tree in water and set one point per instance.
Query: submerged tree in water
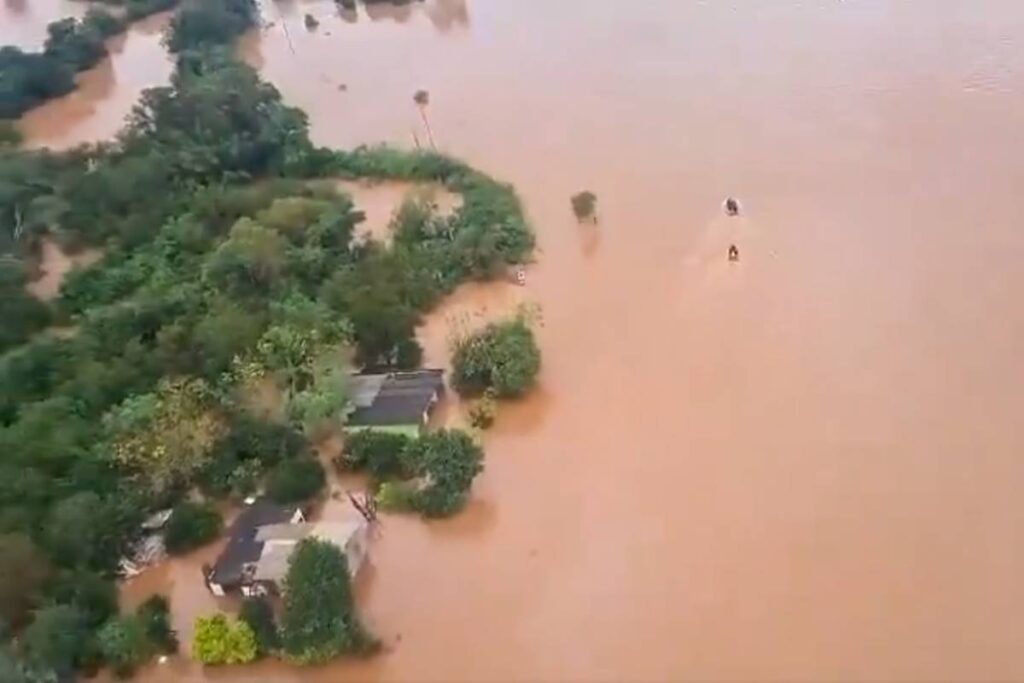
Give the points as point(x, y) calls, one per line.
point(584, 205)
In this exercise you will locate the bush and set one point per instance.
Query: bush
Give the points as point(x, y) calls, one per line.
point(294, 481)
point(502, 356)
point(394, 496)
point(219, 640)
point(319, 621)
point(378, 453)
point(155, 616)
point(445, 463)
point(483, 411)
point(259, 615)
point(190, 526)
point(74, 43)
point(124, 644)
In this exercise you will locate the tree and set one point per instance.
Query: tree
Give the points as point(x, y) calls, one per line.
point(22, 314)
point(93, 595)
point(584, 205)
point(445, 463)
point(226, 331)
point(295, 481)
point(319, 621)
point(14, 671)
point(378, 453)
point(83, 531)
point(250, 261)
point(23, 572)
point(259, 615)
point(55, 639)
point(190, 526)
point(75, 43)
point(154, 614)
point(166, 437)
point(210, 23)
point(124, 644)
point(218, 640)
point(503, 356)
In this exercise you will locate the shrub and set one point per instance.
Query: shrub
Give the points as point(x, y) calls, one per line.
point(378, 453)
point(155, 617)
point(503, 356)
point(319, 621)
point(396, 496)
point(294, 481)
point(190, 526)
point(445, 463)
point(584, 204)
point(219, 640)
point(124, 644)
point(259, 615)
point(483, 411)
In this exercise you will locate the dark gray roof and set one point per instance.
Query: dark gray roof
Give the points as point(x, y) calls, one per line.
point(400, 397)
point(243, 548)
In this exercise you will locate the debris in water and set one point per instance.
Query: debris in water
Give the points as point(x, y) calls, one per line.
point(732, 207)
point(311, 22)
point(342, 87)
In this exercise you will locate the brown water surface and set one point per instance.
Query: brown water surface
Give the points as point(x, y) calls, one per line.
point(804, 466)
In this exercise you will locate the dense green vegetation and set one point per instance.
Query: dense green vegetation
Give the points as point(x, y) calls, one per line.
point(319, 620)
point(431, 474)
point(503, 357)
point(211, 341)
point(259, 615)
point(220, 640)
point(190, 526)
point(28, 79)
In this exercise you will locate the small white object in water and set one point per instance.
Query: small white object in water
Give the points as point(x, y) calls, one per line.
point(162, 659)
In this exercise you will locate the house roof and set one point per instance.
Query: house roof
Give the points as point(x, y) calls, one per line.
point(243, 547)
point(394, 399)
point(280, 540)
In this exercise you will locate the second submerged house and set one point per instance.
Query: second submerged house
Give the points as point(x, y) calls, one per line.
point(394, 402)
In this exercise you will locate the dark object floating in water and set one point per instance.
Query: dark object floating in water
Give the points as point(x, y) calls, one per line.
point(732, 207)
point(342, 87)
point(311, 22)
point(734, 253)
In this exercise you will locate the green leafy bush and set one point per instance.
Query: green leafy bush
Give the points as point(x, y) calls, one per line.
point(503, 357)
point(190, 526)
point(376, 452)
point(124, 644)
point(218, 640)
point(445, 463)
point(294, 481)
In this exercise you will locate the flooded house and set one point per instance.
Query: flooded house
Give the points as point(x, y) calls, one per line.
point(235, 566)
point(261, 542)
point(398, 402)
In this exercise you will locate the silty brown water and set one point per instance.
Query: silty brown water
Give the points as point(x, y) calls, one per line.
point(801, 466)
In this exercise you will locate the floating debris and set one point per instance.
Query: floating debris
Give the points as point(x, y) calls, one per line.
point(311, 22)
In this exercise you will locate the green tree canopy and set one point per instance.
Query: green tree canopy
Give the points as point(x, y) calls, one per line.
point(503, 356)
point(190, 526)
point(319, 621)
point(23, 572)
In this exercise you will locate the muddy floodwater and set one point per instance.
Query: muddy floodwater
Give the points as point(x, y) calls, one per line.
point(805, 465)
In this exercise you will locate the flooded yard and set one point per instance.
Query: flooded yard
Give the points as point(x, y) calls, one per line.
point(801, 466)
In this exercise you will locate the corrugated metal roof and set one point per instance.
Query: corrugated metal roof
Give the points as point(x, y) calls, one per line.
point(401, 398)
